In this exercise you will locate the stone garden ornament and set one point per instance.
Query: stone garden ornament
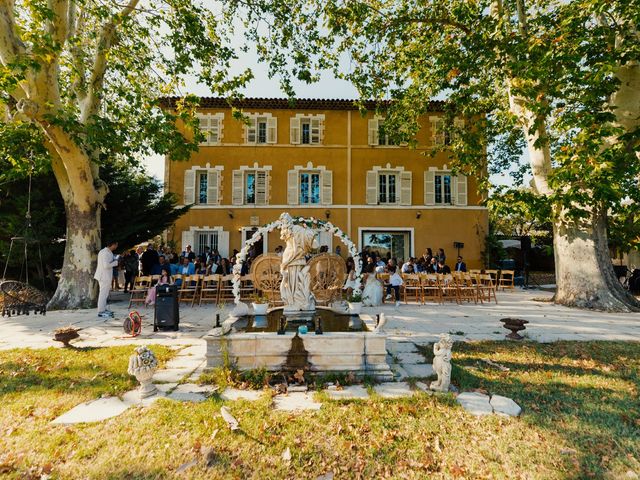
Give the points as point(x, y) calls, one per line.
point(142, 365)
point(442, 363)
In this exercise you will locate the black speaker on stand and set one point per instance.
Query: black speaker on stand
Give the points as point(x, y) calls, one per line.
point(166, 315)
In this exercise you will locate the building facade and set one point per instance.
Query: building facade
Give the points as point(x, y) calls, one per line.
point(323, 159)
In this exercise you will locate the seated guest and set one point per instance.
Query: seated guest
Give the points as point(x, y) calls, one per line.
point(442, 268)
point(212, 267)
point(189, 253)
point(433, 266)
point(407, 267)
point(225, 267)
point(165, 279)
point(369, 267)
point(157, 268)
point(460, 265)
point(200, 267)
point(420, 266)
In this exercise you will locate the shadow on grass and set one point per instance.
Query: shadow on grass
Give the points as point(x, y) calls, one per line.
point(595, 411)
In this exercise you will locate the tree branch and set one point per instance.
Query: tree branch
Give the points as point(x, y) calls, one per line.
point(58, 26)
point(91, 103)
point(11, 46)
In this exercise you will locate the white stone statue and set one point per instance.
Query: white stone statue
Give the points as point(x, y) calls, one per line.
point(442, 363)
point(296, 281)
point(142, 365)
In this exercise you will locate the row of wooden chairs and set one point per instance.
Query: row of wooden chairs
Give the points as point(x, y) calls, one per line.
point(458, 287)
point(196, 288)
point(504, 279)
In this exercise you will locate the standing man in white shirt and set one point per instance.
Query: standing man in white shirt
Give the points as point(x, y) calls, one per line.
point(104, 275)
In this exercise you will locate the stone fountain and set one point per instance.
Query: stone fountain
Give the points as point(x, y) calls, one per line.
point(337, 342)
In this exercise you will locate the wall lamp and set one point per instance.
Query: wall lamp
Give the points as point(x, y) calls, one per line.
point(418, 214)
point(230, 213)
point(327, 213)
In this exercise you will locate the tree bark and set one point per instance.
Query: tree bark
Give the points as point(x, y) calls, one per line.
point(584, 272)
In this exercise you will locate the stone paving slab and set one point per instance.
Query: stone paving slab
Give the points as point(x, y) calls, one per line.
point(187, 396)
point(194, 350)
point(406, 358)
point(132, 398)
point(195, 388)
point(418, 370)
point(393, 390)
point(172, 375)
point(505, 406)
point(93, 411)
point(237, 394)
point(184, 361)
point(475, 403)
point(295, 401)
point(351, 392)
point(396, 347)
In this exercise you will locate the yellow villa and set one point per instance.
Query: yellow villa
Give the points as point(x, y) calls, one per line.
point(322, 159)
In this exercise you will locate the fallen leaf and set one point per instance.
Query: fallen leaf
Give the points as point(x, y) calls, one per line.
point(286, 455)
point(230, 419)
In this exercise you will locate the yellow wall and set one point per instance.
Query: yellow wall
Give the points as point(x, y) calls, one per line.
point(437, 226)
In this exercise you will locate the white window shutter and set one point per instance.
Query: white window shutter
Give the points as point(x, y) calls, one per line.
point(372, 187)
point(405, 188)
point(326, 180)
point(429, 187)
point(251, 131)
point(272, 130)
point(262, 187)
point(187, 239)
point(294, 130)
point(461, 189)
point(315, 131)
point(223, 244)
point(213, 187)
point(292, 187)
point(214, 131)
point(237, 196)
point(189, 187)
point(373, 131)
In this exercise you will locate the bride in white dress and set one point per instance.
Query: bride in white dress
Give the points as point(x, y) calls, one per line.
point(372, 293)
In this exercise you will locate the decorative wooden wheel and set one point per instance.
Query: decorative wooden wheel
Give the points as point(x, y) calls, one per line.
point(20, 298)
point(265, 269)
point(328, 273)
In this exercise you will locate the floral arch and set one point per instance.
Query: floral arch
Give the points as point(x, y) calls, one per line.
point(310, 222)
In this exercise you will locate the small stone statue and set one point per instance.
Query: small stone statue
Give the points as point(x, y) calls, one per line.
point(382, 321)
point(142, 365)
point(442, 363)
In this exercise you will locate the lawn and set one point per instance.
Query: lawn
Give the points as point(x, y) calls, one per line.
point(581, 420)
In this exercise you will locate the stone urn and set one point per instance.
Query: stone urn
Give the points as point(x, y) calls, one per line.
point(142, 365)
point(515, 325)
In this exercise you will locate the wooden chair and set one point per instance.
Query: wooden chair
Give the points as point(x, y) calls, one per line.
point(189, 288)
point(210, 289)
point(486, 287)
point(467, 289)
point(226, 289)
point(431, 288)
point(412, 288)
point(247, 287)
point(155, 279)
point(475, 271)
point(384, 281)
point(449, 288)
point(506, 279)
point(495, 275)
point(139, 291)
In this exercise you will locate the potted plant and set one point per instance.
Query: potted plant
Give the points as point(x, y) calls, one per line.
point(260, 304)
point(355, 302)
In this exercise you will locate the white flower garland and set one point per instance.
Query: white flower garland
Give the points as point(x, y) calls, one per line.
point(310, 222)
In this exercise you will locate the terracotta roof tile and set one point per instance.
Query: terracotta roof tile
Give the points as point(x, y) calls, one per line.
point(286, 104)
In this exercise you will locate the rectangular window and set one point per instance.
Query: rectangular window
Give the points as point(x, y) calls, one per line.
point(395, 244)
point(202, 187)
point(250, 188)
point(262, 130)
point(206, 239)
point(387, 187)
point(306, 131)
point(383, 138)
point(442, 188)
point(309, 188)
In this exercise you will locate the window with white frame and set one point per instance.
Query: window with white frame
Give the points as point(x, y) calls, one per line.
point(441, 187)
point(200, 237)
point(309, 185)
point(204, 239)
point(440, 134)
point(378, 134)
point(250, 186)
point(306, 129)
point(261, 129)
point(388, 186)
point(211, 128)
point(202, 186)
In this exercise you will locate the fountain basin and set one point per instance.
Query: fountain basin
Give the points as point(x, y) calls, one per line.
point(347, 344)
